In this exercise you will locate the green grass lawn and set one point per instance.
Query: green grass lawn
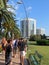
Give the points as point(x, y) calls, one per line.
point(43, 50)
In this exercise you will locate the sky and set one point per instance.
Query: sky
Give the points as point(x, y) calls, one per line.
point(37, 9)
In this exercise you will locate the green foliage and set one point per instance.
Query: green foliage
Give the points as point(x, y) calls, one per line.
point(16, 32)
point(43, 36)
point(42, 42)
point(1, 4)
point(5, 15)
point(43, 50)
point(31, 42)
point(35, 37)
point(7, 20)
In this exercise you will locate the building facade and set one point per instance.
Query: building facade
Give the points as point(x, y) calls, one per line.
point(40, 31)
point(28, 27)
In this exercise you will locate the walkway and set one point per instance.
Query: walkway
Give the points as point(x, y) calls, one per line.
point(15, 61)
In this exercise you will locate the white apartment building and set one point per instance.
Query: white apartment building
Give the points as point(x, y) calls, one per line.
point(28, 27)
point(40, 31)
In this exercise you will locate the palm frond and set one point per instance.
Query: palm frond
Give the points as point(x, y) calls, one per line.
point(8, 14)
point(10, 6)
point(4, 2)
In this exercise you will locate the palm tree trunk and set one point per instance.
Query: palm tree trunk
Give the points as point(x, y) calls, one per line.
point(12, 35)
point(6, 35)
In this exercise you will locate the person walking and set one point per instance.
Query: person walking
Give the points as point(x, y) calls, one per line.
point(8, 53)
point(15, 43)
point(21, 46)
point(3, 42)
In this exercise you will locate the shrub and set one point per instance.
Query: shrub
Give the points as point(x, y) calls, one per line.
point(35, 37)
point(31, 42)
point(42, 42)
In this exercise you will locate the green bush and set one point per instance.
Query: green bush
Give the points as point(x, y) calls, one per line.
point(31, 42)
point(42, 42)
point(35, 37)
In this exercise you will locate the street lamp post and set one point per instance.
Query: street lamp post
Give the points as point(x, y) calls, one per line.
point(21, 2)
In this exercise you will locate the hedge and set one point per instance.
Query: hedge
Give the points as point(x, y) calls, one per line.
point(31, 42)
point(42, 42)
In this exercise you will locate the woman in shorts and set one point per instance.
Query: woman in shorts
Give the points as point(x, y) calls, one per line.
point(21, 46)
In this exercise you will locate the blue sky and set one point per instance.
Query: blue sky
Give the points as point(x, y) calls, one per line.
point(37, 9)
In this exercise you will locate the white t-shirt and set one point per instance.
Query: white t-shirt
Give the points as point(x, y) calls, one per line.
point(13, 42)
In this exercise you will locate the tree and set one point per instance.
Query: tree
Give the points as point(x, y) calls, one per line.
point(7, 20)
point(43, 36)
point(5, 15)
point(12, 28)
point(16, 32)
point(35, 37)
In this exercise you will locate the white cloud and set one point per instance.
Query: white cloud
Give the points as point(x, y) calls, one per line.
point(29, 8)
point(16, 7)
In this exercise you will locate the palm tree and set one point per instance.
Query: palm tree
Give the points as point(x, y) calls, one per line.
point(8, 26)
point(5, 15)
point(7, 18)
point(16, 32)
point(12, 28)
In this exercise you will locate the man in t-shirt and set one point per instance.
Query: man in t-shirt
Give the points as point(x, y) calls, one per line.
point(21, 46)
point(15, 43)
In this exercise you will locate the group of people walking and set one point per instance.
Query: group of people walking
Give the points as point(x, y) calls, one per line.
point(10, 47)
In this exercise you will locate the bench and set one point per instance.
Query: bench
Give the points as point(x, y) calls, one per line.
point(35, 59)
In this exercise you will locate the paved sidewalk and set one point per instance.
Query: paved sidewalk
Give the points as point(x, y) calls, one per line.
point(15, 61)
